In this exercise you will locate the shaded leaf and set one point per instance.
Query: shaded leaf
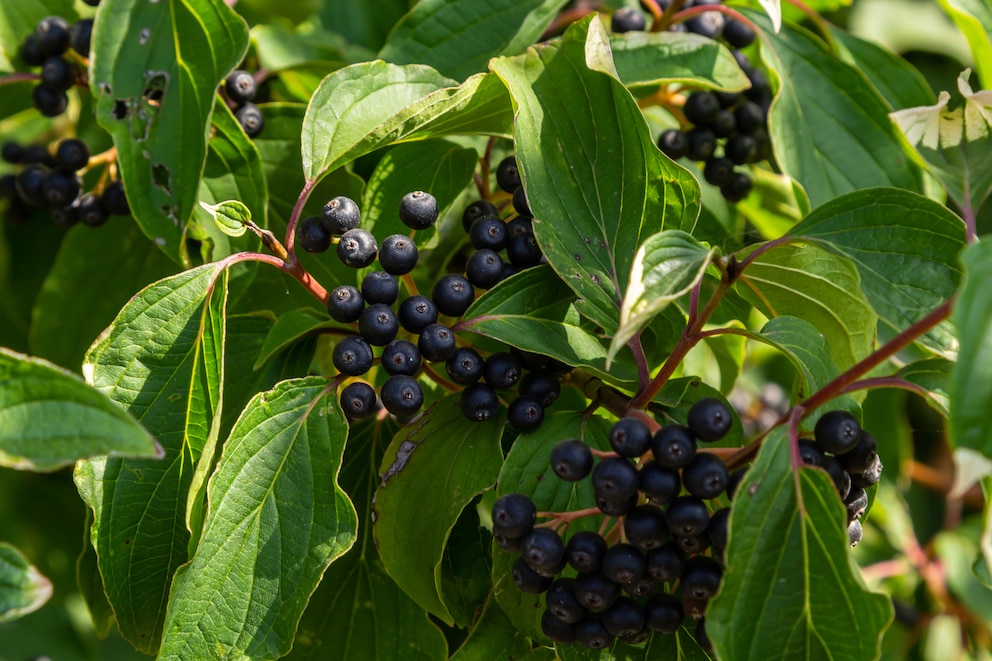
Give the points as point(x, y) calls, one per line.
point(18, 20)
point(971, 379)
point(654, 58)
point(974, 19)
point(680, 646)
point(288, 328)
point(49, 418)
point(896, 80)
point(591, 170)
point(493, 638)
point(23, 589)
point(788, 552)
point(934, 374)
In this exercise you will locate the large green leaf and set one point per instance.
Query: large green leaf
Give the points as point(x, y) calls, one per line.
point(364, 23)
point(288, 328)
point(829, 127)
point(94, 275)
point(905, 247)
point(493, 638)
point(791, 589)
point(358, 612)
point(971, 379)
point(162, 144)
point(652, 58)
point(457, 37)
point(49, 418)
point(596, 183)
point(276, 521)
point(820, 287)
point(432, 469)
point(162, 361)
point(667, 265)
point(18, 20)
point(974, 19)
point(934, 374)
point(896, 80)
point(535, 311)
point(369, 105)
point(23, 589)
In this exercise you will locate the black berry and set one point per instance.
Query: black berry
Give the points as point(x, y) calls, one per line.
point(706, 476)
point(418, 210)
point(555, 629)
point(357, 248)
point(614, 478)
point(114, 199)
point(514, 515)
point(700, 144)
point(488, 232)
point(837, 432)
point(810, 454)
point(627, 19)
point(561, 602)
point(417, 313)
point(571, 460)
point(380, 287)
point(592, 633)
point(718, 171)
point(352, 356)
point(479, 402)
point(709, 419)
point(453, 294)
point(522, 250)
point(61, 188)
point(544, 551)
point(542, 385)
point(345, 304)
point(378, 325)
point(464, 366)
point(49, 102)
point(527, 580)
point(251, 120)
point(31, 183)
point(596, 592)
point(90, 211)
point(484, 268)
point(476, 210)
point(357, 399)
point(436, 343)
point(673, 446)
point(741, 149)
point(737, 34)
point(701, 578)
point(673, 143)
point(72, 155)
point(861, 456)
point(701, 108)
point(57, 74)
point(401, 357)
point(738, 188)
point(584, 551)
point(312, 236)
point(688, 516)
point(402, 395)
point(240, 86)
point(525, 414)
point(501, 370)
point(398, 254)
point(340, 215)
point(81, 35)
point(52, 35)
point(659, 484)
point(666, 563)
point(507, 174)
point(663, 613)
point(520, 204)
point(645, 528)
point(630, 437)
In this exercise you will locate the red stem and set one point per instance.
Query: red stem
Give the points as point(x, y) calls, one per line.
point(18, 78)
point(702, 9)
point(294, 218)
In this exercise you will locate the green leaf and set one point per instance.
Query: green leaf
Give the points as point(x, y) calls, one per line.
point(289, 327)
point(432, 469)
point(666, 267)
point(276, 511)
point(819, 287)
point(493, 638)
point(49, 418)
point(591, 170)
point(358, 612)
point(18, 20)
point(457, 37)
point(23, 589)
point(161, 146)
point(161, 360)
point(527, 470)
point(896, 80)
point(94, 275)
point(657, 58)
point(788, 553)
point(905, 247)
point(535, 311)
point(363, 23)
point(91, 585)
point(829, 127)
point(953, 137)
point(974, 19)
point(971, 378)
point(230, 216)
point(934, 374)
point(373, 104)
point(279, 47)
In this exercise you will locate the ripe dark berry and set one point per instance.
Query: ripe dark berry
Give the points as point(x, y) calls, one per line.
point(49, 102)
point(510, 544)
point(114, 199)
point(520, 225)
point(627, 19)
point(65, 216)
point(418, 210)
point(673, 446)
point(659, 484)
point(514, 515)
point(525, 414)
point(479, 402)
point(614, 478)
point(38, 154)
point(861, 456)
point(571, 460)
point(380, 287)
point(709, 419)
point(837, 432)
point(557, 630)
point(701, 108)
point(616, 508)
point(357, 248)
point(623, 564)
point(592, 633)
point(81, 35)
point(378, 325)
point(625, 618)
point(61, 188)
point(340, 215)
point(357, 400)
point(520, 204)
point(57, 74)
point(527, 579)
point(630, 437)
point(489, 232)
point(72, 155)
point(31, 183)
point(706, 476)
point(810, 454)
point(708, 24)
point(737, 34)
point(596, 592)
point(645, 528)
point(693, 544)
point(508, 175)
point(90, 211)
point(402, 395)
point(542, 385)
point(251, 120)
point(718, 171)
point(52, 35)
point(464, 366)
point(240, 86)
point(345, 304)
point(663, 613)
point(738, 188)
point(724, 125)
point(417, 313)
point(666, 563)
point(30, 51)
point(452, 294)
point(436, 343)
point(544, 551)
point(688, 516)
point(522, 250)
point(501, 370)
point(841, 478)
point(584, 551)
point(749, 116)
point(398, 254)
point(401, 357)
point(741, 149)
point(476, 210)
point(700, 144)
point(561, 602)
point(12, 152)
point(352, 356)
point(530, 360)
point(760, 91)
point(856, 503)
point(312, 236)
point(484, 269)
point(673, 143)
point(701, 578)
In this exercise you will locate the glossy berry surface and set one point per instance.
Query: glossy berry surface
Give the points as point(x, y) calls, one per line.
point(114, 199)
point(49, 102)
point(522, 250)
point(464, 366)
point(436, 343)
point(90, 211)
point(479, 402)
point(673, 144)
point(476, 210)
point(527, 580)
point(544, 551)
point(380, 287)
point(484, 268)
point(739, 187)
point(561, 602)
point(542, 385)
point(701, 108)
point(52, 35)
point(666, 563)
point(352, 356)
point(630, 437)
point(488, 232)
point(525, 414)
point(706, 476)
point(737, 34)
point(645, 527)
point(625, 618)
point(501, 370)
point(571, 460)
point(417, 313)
point(378, 324)
point(357, 248)
point(358, 399)
point(718, 171)
point(687, 516)
point(81, 36)
point(312, 236)
point(398, 254)
point(514, 515)
point(584, 551)
point(595, 591)
point(251, 119)
point(508, 175)
point(60, 188)
point(57, 74)
point(402, 395)
point(345, 304)
point(837, 432)
point(709, 419)
point(72, 155)
point(340, 215)
point(614, 478)
point(240, 86)
point(453, 294)
point(401, 357)
point(418, 210)
point(673, 446)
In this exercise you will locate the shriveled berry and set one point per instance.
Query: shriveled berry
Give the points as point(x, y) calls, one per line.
point(868, 476)
point(841, 478)
point(417, 313)
point(855, 532)
point(856, 503)
point(571, 460)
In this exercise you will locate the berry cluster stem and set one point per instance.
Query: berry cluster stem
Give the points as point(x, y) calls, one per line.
point(723, 9)
point(19, 78)
point(294, 219)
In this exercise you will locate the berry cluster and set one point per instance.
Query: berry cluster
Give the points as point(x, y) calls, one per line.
point(490, 234)
point(46, 48)
point(53, 182)
point(849, 454)
point(651, 570)
point(240, 88)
